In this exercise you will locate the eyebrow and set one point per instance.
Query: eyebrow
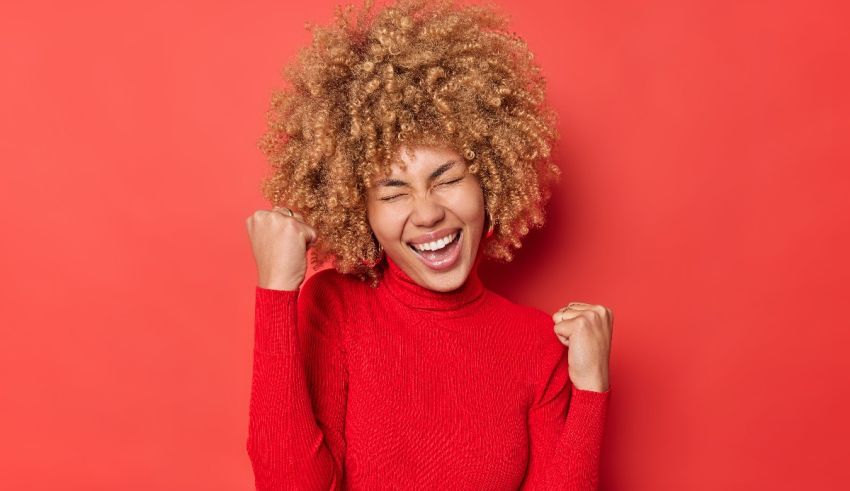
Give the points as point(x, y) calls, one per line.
point(437, 173)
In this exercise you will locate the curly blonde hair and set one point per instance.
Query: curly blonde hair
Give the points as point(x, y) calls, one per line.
point(415, 72)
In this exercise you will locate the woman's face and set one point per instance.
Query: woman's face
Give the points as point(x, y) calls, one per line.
point(434, 200)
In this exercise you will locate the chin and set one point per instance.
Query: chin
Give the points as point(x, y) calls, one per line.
point(449, 281)
point(440, 280)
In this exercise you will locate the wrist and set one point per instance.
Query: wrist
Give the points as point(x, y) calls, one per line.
point(278, 284)
point(596, 383)
point(592, 387)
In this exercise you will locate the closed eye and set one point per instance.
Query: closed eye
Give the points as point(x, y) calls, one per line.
point(390, 198)
point(452, 181)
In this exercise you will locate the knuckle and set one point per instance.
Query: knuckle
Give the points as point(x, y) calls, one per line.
point(288, 225)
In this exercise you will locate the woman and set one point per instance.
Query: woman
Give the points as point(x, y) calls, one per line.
point(413, 143)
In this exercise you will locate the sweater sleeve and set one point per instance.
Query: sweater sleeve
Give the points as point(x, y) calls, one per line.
point(298, 391)
point(566, 426)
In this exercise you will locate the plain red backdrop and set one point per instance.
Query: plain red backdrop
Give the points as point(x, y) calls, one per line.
point(704, 199)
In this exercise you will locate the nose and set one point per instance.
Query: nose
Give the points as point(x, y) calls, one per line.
point(426, 213)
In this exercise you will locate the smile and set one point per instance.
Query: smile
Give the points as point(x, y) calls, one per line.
point(440, 254)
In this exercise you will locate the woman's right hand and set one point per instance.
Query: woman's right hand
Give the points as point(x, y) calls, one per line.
point(280, 244)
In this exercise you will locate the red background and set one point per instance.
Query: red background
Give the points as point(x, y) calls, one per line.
point(705, 200)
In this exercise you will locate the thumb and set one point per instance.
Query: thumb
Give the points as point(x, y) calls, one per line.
point(564, 328)
point(312, 237)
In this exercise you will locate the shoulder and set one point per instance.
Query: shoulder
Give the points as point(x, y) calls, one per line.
point(326, 299)
point(534, 319)
point(537, 332)
point(536, 327)
point(330, 287)
point(535, 341)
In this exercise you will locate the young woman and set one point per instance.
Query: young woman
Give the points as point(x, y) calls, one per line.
point(413, 142)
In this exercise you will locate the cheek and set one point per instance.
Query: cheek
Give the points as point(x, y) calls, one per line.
point(386, 223)
point(469, 204)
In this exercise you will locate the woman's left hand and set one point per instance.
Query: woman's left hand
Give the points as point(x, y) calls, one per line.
point(586, 330)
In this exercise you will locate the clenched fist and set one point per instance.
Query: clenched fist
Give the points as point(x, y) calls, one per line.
point(586, 330)
point(280, 239)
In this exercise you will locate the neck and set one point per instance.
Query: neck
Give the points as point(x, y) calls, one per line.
point(409, 292)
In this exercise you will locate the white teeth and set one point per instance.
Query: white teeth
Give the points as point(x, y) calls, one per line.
point(436, 245)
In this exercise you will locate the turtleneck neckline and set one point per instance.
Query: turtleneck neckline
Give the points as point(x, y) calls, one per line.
point(406, 290)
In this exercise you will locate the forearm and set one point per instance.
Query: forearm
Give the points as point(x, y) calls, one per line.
point(575, 460)
point(286, 447)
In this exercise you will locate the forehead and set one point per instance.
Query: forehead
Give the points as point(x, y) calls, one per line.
point(413, 161)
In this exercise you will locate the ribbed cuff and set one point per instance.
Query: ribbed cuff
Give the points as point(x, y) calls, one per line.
point(275, 317)
point(588, 410)
point(590, 398)
point(591, 394)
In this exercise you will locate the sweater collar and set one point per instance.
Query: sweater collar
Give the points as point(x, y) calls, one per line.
point(410, 293)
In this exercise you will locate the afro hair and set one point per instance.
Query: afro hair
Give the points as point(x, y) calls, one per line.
point(414, 72)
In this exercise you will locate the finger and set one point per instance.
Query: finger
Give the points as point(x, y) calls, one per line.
point(285, 211)
point(308, 233)
point(564, 340)
point(565, 314)
point(312, 236)
point(575, 306)
point(602, 311)
point(564, 329)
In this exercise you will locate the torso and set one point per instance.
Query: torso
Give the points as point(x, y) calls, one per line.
point(445, 396)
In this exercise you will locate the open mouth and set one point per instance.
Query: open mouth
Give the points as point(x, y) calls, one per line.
point(440, 254)
point(438, 245)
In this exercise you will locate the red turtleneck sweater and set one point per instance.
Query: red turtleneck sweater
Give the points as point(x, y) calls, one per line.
point(402, 387)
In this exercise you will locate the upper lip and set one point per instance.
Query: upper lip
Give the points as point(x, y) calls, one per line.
point(432, 236)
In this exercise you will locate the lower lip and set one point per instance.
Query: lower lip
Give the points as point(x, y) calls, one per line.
point(447, 259)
